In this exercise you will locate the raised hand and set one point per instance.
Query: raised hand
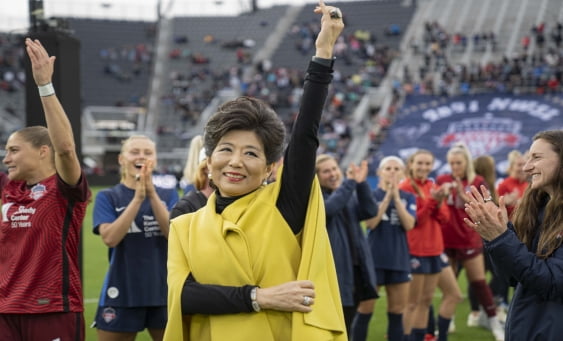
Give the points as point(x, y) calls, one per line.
point(331, 27)
point(42, 65)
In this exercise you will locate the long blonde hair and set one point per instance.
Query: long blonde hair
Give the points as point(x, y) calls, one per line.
point(191, 168)
point(409, 174)
point(461, 148)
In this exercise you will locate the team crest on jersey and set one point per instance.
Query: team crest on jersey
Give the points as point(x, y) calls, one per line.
point(37, 191)
point(415, 263)
point(108, 314)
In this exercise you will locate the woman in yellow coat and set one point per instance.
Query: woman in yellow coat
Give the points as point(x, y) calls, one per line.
point(255, 263)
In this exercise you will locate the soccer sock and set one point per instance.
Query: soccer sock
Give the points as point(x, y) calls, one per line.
point(472, 297)
point(443, 327)
point(417, 334)
point(394, 327)
point(431, 328)
point(360, 327)
point(485, 297)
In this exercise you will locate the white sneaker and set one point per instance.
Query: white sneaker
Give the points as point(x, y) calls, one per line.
point(501, 314)
point(451, 328)
point(483, 320)
point(473, 319)
point(496, 328)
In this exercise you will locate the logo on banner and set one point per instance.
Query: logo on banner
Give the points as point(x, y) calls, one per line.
point(483, 135)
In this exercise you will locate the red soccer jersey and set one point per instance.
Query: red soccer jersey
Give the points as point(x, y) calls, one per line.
point(457, 235)
point(39, 237)
point(510, 185)
point(425, 239)
point(3, 181)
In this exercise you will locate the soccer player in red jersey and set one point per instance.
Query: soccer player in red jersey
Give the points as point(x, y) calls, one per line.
point(463, 245)
point(426, 247)
point(43, 206)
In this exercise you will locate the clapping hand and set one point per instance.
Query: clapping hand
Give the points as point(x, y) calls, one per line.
point(488, 219)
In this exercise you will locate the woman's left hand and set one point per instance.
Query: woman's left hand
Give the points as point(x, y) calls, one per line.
point(42, 64)
point(331, 27)
point(485, 217)
point(289, 296)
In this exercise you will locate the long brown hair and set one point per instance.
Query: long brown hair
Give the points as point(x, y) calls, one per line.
point(526, 216)
point(485, 166)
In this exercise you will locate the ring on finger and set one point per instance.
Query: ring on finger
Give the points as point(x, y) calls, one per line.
point(487, 199)
point(307, 300)
point(478, 222)
point(335, 13)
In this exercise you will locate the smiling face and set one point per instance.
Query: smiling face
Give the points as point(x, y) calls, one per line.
point(22, 159)
point(421, 165)
point(135, 152)
point(543, 165)
point(238, 163)
point(329, 174)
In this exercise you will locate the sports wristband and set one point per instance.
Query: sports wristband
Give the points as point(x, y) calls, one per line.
point(46, 90)
point(255, 304)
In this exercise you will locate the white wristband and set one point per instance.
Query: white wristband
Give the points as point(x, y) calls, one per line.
point(46, 90)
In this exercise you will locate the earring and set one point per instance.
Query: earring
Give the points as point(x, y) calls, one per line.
point(209, 175)
point(265, 182)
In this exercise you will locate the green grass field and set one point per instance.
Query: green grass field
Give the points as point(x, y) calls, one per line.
point(95, 266)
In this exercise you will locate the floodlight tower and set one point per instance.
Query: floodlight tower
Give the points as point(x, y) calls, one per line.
point(36, 15)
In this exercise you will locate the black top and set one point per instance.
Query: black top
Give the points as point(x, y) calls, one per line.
point(297, 178)
point(191, 202)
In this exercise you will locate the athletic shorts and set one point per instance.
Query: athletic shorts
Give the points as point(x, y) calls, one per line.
point(130, 320)
point(463, 254)
point(426, 265)
point(47, 326)
point(385, 276)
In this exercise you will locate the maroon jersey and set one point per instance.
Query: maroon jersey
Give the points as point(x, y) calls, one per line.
point(3, 180)
point(457, 235)
point(39, 237)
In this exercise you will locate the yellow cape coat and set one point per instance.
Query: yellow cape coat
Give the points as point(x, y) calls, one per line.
point(251, 244)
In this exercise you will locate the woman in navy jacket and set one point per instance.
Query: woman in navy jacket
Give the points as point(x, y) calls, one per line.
point(529, 252)
point(347, 203)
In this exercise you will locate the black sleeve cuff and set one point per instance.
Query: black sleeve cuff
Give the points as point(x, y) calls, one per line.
point(323, 61)
point(319, 73)
point(215, 299)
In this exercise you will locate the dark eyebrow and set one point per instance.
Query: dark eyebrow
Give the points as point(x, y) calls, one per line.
point(245, 146)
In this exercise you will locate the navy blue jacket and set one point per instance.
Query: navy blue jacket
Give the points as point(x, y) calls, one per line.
point(536, 309)
point(348, 205)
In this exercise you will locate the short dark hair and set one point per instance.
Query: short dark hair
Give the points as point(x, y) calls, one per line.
point(248, 114)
